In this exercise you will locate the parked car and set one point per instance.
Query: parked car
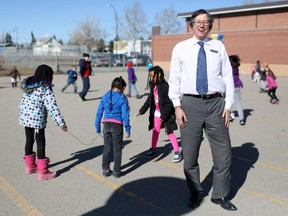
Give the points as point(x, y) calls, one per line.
point(102, 60)
point(139, 60)
point(119, 59)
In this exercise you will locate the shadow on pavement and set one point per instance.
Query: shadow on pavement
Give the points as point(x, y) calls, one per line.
point(149, 196)
point(247, 112)
point(90, 99)
point(243, 158)
point(79, 157)
point(82, 156)
point(139, 159)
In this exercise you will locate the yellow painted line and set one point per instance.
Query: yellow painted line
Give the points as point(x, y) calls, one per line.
point(272, 167)
point(257, 194)
point(180, 168)
point(173, 166)
point(263, 164)
point(18, 199)
point(123, 190)
point(281, 202)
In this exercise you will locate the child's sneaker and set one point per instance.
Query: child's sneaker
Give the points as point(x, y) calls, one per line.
point(274, 101)
point(177, 157)
point(232, 117)
point(150, 154)
point(80, 98)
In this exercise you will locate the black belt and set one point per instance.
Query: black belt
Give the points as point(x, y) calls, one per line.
point(205, 97)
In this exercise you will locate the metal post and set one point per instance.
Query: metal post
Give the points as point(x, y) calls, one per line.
point(116, 20)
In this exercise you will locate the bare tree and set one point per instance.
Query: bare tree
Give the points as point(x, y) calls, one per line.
point(134, 26)
point(168, 21)
point(87, 33)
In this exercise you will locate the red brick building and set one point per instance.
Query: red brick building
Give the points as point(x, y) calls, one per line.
point(254, 32)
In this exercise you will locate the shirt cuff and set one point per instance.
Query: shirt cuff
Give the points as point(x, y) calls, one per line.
point(176, 102)
point(228, 105)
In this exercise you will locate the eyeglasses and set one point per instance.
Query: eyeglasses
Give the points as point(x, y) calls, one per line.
point(205, 22)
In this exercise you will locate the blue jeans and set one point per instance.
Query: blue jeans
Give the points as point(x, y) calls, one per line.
point(133, 85)
point(113, 138)
point(86, 87)
point(68, 84)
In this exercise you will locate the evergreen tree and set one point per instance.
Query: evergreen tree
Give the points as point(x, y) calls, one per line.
point(8, 38)
point(33, 41)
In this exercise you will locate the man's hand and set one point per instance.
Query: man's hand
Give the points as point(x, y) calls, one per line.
point(226, 115)
point(180, 117)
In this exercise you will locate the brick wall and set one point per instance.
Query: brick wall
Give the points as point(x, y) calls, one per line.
point(253, 36)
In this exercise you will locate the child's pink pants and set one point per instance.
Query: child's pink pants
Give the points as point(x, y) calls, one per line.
point(156, 132)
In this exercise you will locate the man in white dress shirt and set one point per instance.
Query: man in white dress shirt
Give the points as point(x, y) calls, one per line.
point(207, 111)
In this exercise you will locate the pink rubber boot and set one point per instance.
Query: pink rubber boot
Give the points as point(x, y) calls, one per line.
point(43, 172)
point(31, 166)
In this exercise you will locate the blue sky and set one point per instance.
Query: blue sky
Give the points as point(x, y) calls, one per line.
point(61, 17)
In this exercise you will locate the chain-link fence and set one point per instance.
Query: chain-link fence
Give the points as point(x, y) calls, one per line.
point(26, 59)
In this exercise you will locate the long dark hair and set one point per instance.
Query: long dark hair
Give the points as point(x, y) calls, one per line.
point(157, 70)
point(234, 60)
point(43, 73)
point(118, 83)
point(271, 73)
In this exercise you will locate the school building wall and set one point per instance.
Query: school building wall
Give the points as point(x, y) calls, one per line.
point(254, 35)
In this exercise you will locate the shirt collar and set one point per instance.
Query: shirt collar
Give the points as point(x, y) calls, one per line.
point(195, 40)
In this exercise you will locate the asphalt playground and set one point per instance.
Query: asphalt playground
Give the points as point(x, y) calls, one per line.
point(149, 187)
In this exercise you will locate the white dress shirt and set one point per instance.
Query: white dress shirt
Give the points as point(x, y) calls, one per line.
point(183, 70)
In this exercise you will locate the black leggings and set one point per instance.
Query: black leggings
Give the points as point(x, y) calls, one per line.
point(272, 93)
point(40, 141)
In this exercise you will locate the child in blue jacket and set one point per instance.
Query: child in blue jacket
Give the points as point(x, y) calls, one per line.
point(114, 104)
point(72, 77)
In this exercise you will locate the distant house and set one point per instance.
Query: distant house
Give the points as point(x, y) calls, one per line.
point(132, 48)
point(7, 47)
point(47, 46)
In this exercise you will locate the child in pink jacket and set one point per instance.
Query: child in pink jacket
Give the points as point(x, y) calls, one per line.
point(272, 86)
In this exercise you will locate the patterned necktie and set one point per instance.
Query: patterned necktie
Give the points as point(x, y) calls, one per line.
point(201, 82)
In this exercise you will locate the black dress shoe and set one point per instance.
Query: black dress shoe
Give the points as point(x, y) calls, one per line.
point(195, 200)
point(118, 174)
point(224, 203)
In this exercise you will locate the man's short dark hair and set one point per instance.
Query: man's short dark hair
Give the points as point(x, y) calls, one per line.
point(198, 12)
point(86, 55)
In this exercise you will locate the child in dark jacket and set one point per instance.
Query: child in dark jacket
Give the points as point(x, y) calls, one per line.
point(71, 80)
point(114, 104)
point(162, 112)
point(13, 75)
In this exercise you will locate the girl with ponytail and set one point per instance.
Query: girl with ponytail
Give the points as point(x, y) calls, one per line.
point(115, 108)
